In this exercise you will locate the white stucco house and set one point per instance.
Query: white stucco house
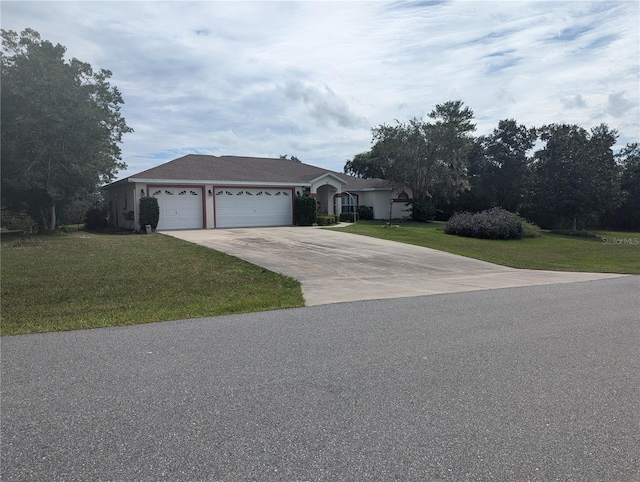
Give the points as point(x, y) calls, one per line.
point(207, 192)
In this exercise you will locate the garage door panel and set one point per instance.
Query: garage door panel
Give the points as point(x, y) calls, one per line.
point(180, 208)
point(253, 207)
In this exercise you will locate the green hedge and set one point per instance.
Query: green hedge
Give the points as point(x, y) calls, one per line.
point(305, 208)
point(327, 219)
point(365, 213)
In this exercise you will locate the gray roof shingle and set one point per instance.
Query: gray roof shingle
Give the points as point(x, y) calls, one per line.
point(248, 169)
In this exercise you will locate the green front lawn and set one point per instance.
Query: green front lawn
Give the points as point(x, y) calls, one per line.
point(84, 280)
point(548, 252)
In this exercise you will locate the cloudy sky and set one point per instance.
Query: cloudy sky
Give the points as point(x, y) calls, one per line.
point(310, 79)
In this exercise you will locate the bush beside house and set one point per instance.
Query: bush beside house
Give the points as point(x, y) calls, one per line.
point(305, 210)
point(351, 217)
point(365, 213)
point(149, 212)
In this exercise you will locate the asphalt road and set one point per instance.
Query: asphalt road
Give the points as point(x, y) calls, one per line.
point(531, 383)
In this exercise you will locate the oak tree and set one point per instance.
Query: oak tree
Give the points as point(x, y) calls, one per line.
point(427, 157)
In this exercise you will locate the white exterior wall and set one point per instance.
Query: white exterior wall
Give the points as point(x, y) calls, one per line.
point(379, 201)
point(401, 210)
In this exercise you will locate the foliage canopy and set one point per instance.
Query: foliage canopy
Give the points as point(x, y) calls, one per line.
point(427, 157)
point(61, 126)
point(558, 175)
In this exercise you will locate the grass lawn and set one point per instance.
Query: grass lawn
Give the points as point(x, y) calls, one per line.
point(83, 280)
point(548, 252)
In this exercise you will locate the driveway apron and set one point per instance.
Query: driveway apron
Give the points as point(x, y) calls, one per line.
point(335, 267)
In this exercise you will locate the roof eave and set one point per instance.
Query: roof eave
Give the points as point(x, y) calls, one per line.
point(328, 174)
point(218, 182)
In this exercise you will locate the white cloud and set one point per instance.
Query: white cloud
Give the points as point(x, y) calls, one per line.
point(310, 78)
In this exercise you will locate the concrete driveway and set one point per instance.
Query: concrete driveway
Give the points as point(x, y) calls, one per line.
point(336, 267)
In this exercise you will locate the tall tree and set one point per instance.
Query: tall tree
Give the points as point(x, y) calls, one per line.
point(427, 157)
point(366, 165)
point(451, 138)
point(506, 150)
point(574, 176)
point(61, 126)
point(628, 216)
point(480, 174)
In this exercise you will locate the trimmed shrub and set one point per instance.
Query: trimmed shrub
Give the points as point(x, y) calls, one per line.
point(95, 219)
point(305, 210)
point(495, 223)
point(365, 213)
point(348, 217)
point(149, 212)
point(326, 219)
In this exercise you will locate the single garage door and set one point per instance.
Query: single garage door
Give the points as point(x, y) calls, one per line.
point(180, 208)
point(236, 207)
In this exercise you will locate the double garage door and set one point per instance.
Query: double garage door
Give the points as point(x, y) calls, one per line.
point(183, 208)
point(240, 207)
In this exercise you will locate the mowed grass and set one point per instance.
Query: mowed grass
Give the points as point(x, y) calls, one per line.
point(83, 280)
point(620, 253)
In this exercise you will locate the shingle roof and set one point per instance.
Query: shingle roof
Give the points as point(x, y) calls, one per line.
point(248, 169)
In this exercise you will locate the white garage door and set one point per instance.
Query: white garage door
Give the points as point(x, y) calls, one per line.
point(246, 207)
point(180, 208)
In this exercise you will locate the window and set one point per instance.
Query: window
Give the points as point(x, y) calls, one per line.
point(349, 202)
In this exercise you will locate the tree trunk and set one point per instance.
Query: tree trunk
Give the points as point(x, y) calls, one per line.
point(49, 218)
point(52, 224)
point(575, 223)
